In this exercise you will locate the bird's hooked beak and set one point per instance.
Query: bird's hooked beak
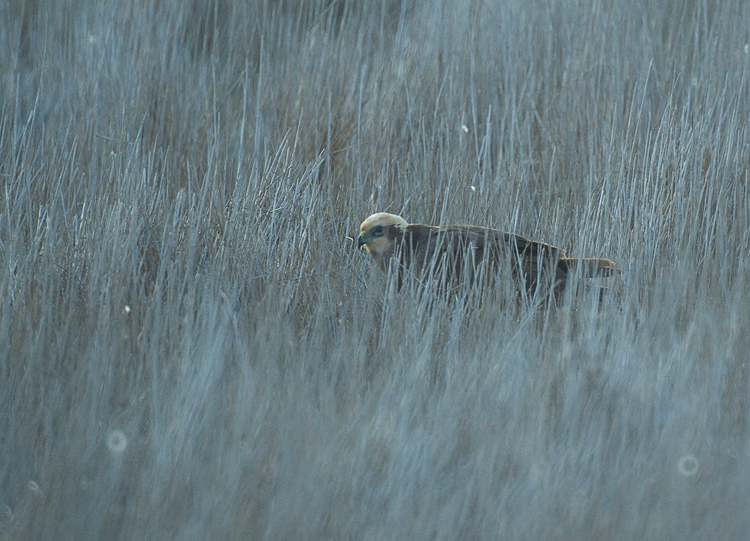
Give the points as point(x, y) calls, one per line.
point(363, 239)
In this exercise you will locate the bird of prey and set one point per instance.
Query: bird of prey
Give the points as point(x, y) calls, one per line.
point(453, 255)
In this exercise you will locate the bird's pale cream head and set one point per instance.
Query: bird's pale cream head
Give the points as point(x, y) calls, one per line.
point(379, 234)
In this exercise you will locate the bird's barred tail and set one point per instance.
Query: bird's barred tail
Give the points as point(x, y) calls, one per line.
point(592, 266)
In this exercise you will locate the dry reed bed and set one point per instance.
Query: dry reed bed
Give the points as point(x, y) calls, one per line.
point(196, 349)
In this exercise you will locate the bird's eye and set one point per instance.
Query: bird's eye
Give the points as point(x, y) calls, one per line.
point(378, 230)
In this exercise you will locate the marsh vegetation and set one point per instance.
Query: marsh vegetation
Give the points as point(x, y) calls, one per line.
point(194, 347)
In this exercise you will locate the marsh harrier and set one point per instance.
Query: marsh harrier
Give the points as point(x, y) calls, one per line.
point(463, 254)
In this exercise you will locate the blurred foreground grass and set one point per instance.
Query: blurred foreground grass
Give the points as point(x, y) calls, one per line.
point(195, 349)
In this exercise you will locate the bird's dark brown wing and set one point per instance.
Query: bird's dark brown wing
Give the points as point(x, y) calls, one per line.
point(461, 253)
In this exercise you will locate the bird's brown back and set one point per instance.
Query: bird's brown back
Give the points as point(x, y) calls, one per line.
point(463, 252)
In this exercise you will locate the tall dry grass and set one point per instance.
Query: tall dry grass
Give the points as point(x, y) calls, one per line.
point(195, 349)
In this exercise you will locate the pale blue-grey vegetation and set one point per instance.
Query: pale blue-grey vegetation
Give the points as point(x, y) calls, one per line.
point(192, 347)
